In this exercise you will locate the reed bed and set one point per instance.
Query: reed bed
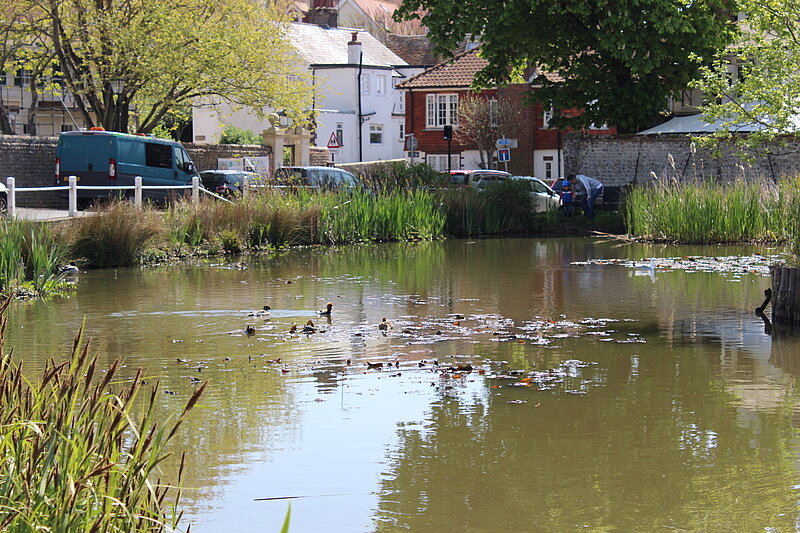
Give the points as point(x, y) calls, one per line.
point(30, 256)
point(77, 450)
point(114, 237)
point(713, 212)
point(503, 208)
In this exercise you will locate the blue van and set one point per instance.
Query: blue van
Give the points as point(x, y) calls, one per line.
point(103, 158)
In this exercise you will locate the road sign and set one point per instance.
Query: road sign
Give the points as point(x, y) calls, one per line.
point(333, 142)
point(410, 143)
point(504, 155)
point(505, 143)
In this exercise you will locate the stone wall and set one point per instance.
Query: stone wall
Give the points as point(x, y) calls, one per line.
point(31, 161)
point(621, 159)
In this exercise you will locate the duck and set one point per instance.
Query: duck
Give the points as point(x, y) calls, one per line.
point(646, 266)
point(385, 325)
point(293, 329)
point(327, 310)
point(250, 330)
point(263, 312)
point(375, 366)
point(309, 328)
point(70, 269)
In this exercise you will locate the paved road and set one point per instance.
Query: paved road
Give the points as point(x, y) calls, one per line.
point(53, 215)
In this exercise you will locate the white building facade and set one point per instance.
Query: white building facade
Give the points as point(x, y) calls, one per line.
point(358, 105)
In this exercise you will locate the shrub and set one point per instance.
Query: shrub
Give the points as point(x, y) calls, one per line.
point(234, 135)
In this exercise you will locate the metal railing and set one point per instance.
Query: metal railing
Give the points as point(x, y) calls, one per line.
point(73, 188)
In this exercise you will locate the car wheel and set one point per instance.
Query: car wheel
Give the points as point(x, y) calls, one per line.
point(3, 203)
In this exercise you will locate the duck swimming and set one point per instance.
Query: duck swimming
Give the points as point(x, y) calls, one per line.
point(309, 328)
point(263, 312)
point(327, 310)
point(250, 330)
point(385, 325)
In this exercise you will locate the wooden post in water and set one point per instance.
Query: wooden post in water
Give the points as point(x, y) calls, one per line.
point(785, 296)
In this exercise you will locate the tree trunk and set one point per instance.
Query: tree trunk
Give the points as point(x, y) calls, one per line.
point(785, 296)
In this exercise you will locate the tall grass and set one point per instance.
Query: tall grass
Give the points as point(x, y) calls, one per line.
point(76, 455)
point(713, 212)
point(29, 255)
point(503, 208)
point(114, 237)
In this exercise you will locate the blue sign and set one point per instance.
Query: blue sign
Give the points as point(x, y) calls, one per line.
point(504, 155)
point(503, 142)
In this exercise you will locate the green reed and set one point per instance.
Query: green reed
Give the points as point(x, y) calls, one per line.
point(114, 237)
point(78, 452)
point(712, 212)
point(30, 256)
point(503, 208)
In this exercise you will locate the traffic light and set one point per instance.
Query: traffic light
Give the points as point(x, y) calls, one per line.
point(448, 133)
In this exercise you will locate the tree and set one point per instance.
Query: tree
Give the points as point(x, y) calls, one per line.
point(755, 82)
point(617, 60)
point(482, 120)
point(129, 62)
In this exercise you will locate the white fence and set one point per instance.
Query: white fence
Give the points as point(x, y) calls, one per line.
point(73, 188)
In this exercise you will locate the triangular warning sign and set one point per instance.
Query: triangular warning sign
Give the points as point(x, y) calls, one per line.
point(333, 142)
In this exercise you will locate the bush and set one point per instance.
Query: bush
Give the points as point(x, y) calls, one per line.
point(234, 135)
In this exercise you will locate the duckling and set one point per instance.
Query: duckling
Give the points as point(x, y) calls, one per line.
point(309, 328)
point(69, 269)
point(263, 312)
point(385, 325)
point(250, 331)
point(293, 329)
point(327, 310)
point(377, 366)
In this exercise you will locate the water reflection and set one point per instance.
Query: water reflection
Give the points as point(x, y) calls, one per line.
point(654, 401)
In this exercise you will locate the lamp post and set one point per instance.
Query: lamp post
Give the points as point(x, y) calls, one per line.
point(117, 86)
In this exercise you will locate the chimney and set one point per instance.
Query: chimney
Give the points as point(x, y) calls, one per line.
point(323, 13)
point(354, 50)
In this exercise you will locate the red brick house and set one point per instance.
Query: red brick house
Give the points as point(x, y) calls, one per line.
point(432, 103)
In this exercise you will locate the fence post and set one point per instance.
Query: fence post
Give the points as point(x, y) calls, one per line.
point(11, 198)
point(245, 188)
point(73, 197)
point(195, 189)
point(137, 193)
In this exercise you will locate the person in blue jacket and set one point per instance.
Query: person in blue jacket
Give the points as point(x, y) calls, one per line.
point(585, 190)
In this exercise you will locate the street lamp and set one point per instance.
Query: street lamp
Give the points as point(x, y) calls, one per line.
point(117, 85)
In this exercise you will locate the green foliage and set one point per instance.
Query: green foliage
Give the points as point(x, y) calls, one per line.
point(502, 208)
point(395, 175)
point(29, 254)
point(76, 451)
point(234, 135)
point(766, 93)
point(114, 237)
point(711, 212)
point(620, 60)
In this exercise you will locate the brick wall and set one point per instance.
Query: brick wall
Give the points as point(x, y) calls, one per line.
point(31, 161)
point(620, 159)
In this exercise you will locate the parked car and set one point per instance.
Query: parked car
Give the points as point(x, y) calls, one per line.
point(544, 196)
point(316, 177)
point(480, 179)
point(228, 183)
point(102, 158)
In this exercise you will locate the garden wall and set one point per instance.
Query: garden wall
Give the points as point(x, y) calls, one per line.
point(621, 159)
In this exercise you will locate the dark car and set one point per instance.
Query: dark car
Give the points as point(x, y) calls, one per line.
point(228, 183)
point(316, 177)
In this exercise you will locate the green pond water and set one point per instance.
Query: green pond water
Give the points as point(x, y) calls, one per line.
point(602, 397)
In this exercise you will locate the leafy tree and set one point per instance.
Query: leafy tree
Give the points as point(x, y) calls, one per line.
point(482, 120)
point(163, 53)
point(618, 60)
point(755, 82)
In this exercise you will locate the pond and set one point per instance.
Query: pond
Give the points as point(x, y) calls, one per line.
point(525, 385)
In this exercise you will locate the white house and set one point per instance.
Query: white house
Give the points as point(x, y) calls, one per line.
point(359, 105)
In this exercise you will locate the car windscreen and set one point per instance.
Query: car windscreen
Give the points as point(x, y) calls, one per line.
point(212, 180)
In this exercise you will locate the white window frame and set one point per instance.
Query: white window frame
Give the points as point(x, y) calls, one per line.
point(547, 116)
point(365, 83)
point(439, 161)
point(380, 84)
point(441, 109)
point(376, 129)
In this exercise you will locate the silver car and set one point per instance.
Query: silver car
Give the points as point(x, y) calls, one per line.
point(544, 198)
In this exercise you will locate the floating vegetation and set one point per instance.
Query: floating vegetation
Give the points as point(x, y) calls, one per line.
point(753, 264)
